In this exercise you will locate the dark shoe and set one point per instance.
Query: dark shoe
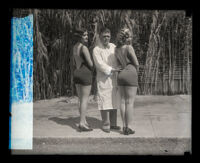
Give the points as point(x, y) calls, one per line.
point(130, 131)
point(84, 128)
point(125, 131)
point(115, 127)
point(106, 130)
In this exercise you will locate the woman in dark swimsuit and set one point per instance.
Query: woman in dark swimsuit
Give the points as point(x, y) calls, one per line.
point(127, 79)
point(82, 74)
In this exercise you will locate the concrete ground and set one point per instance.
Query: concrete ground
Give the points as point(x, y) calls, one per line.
point(162, 125)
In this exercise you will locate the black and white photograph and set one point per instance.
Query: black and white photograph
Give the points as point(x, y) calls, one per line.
point(100, 82)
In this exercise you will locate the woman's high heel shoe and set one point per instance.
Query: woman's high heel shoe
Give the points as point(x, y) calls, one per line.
point(127, 131)
point(130, 131)
point(124, 128)
point(84, 128)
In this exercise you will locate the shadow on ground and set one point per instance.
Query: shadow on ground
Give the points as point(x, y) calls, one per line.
point(73, 121)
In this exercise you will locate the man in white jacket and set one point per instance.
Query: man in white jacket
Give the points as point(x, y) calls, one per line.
point(106, 67)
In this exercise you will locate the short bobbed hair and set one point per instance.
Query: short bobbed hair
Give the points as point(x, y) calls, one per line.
point(78, 33)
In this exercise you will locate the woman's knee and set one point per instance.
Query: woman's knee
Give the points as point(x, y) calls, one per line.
point(129, 101)
point(85, 91)
point(123, 100)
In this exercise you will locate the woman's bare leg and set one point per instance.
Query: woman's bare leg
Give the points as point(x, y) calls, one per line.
point(122, 105)
point(130, 94)
point(78, 90)
point(85, 92)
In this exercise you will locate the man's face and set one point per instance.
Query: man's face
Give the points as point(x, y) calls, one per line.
point(105, 38)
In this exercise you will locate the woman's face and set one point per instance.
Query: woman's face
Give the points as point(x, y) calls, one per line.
point(129, 40)
point(84, 38)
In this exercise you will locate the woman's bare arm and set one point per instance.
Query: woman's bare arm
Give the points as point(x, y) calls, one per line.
point(132, 56)
point(87, 56)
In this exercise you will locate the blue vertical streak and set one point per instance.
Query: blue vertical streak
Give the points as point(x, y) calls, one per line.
point(21, 58)
point(11, 69)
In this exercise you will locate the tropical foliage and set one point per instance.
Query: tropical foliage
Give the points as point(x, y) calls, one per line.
point(162, 41)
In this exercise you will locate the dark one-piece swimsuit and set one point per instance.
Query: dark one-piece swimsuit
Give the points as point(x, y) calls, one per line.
point(83, 75)
point(128, 76)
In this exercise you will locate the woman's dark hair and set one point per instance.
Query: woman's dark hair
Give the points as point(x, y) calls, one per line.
point(78, 33)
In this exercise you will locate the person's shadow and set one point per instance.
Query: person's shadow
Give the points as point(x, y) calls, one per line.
point(74, 121)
